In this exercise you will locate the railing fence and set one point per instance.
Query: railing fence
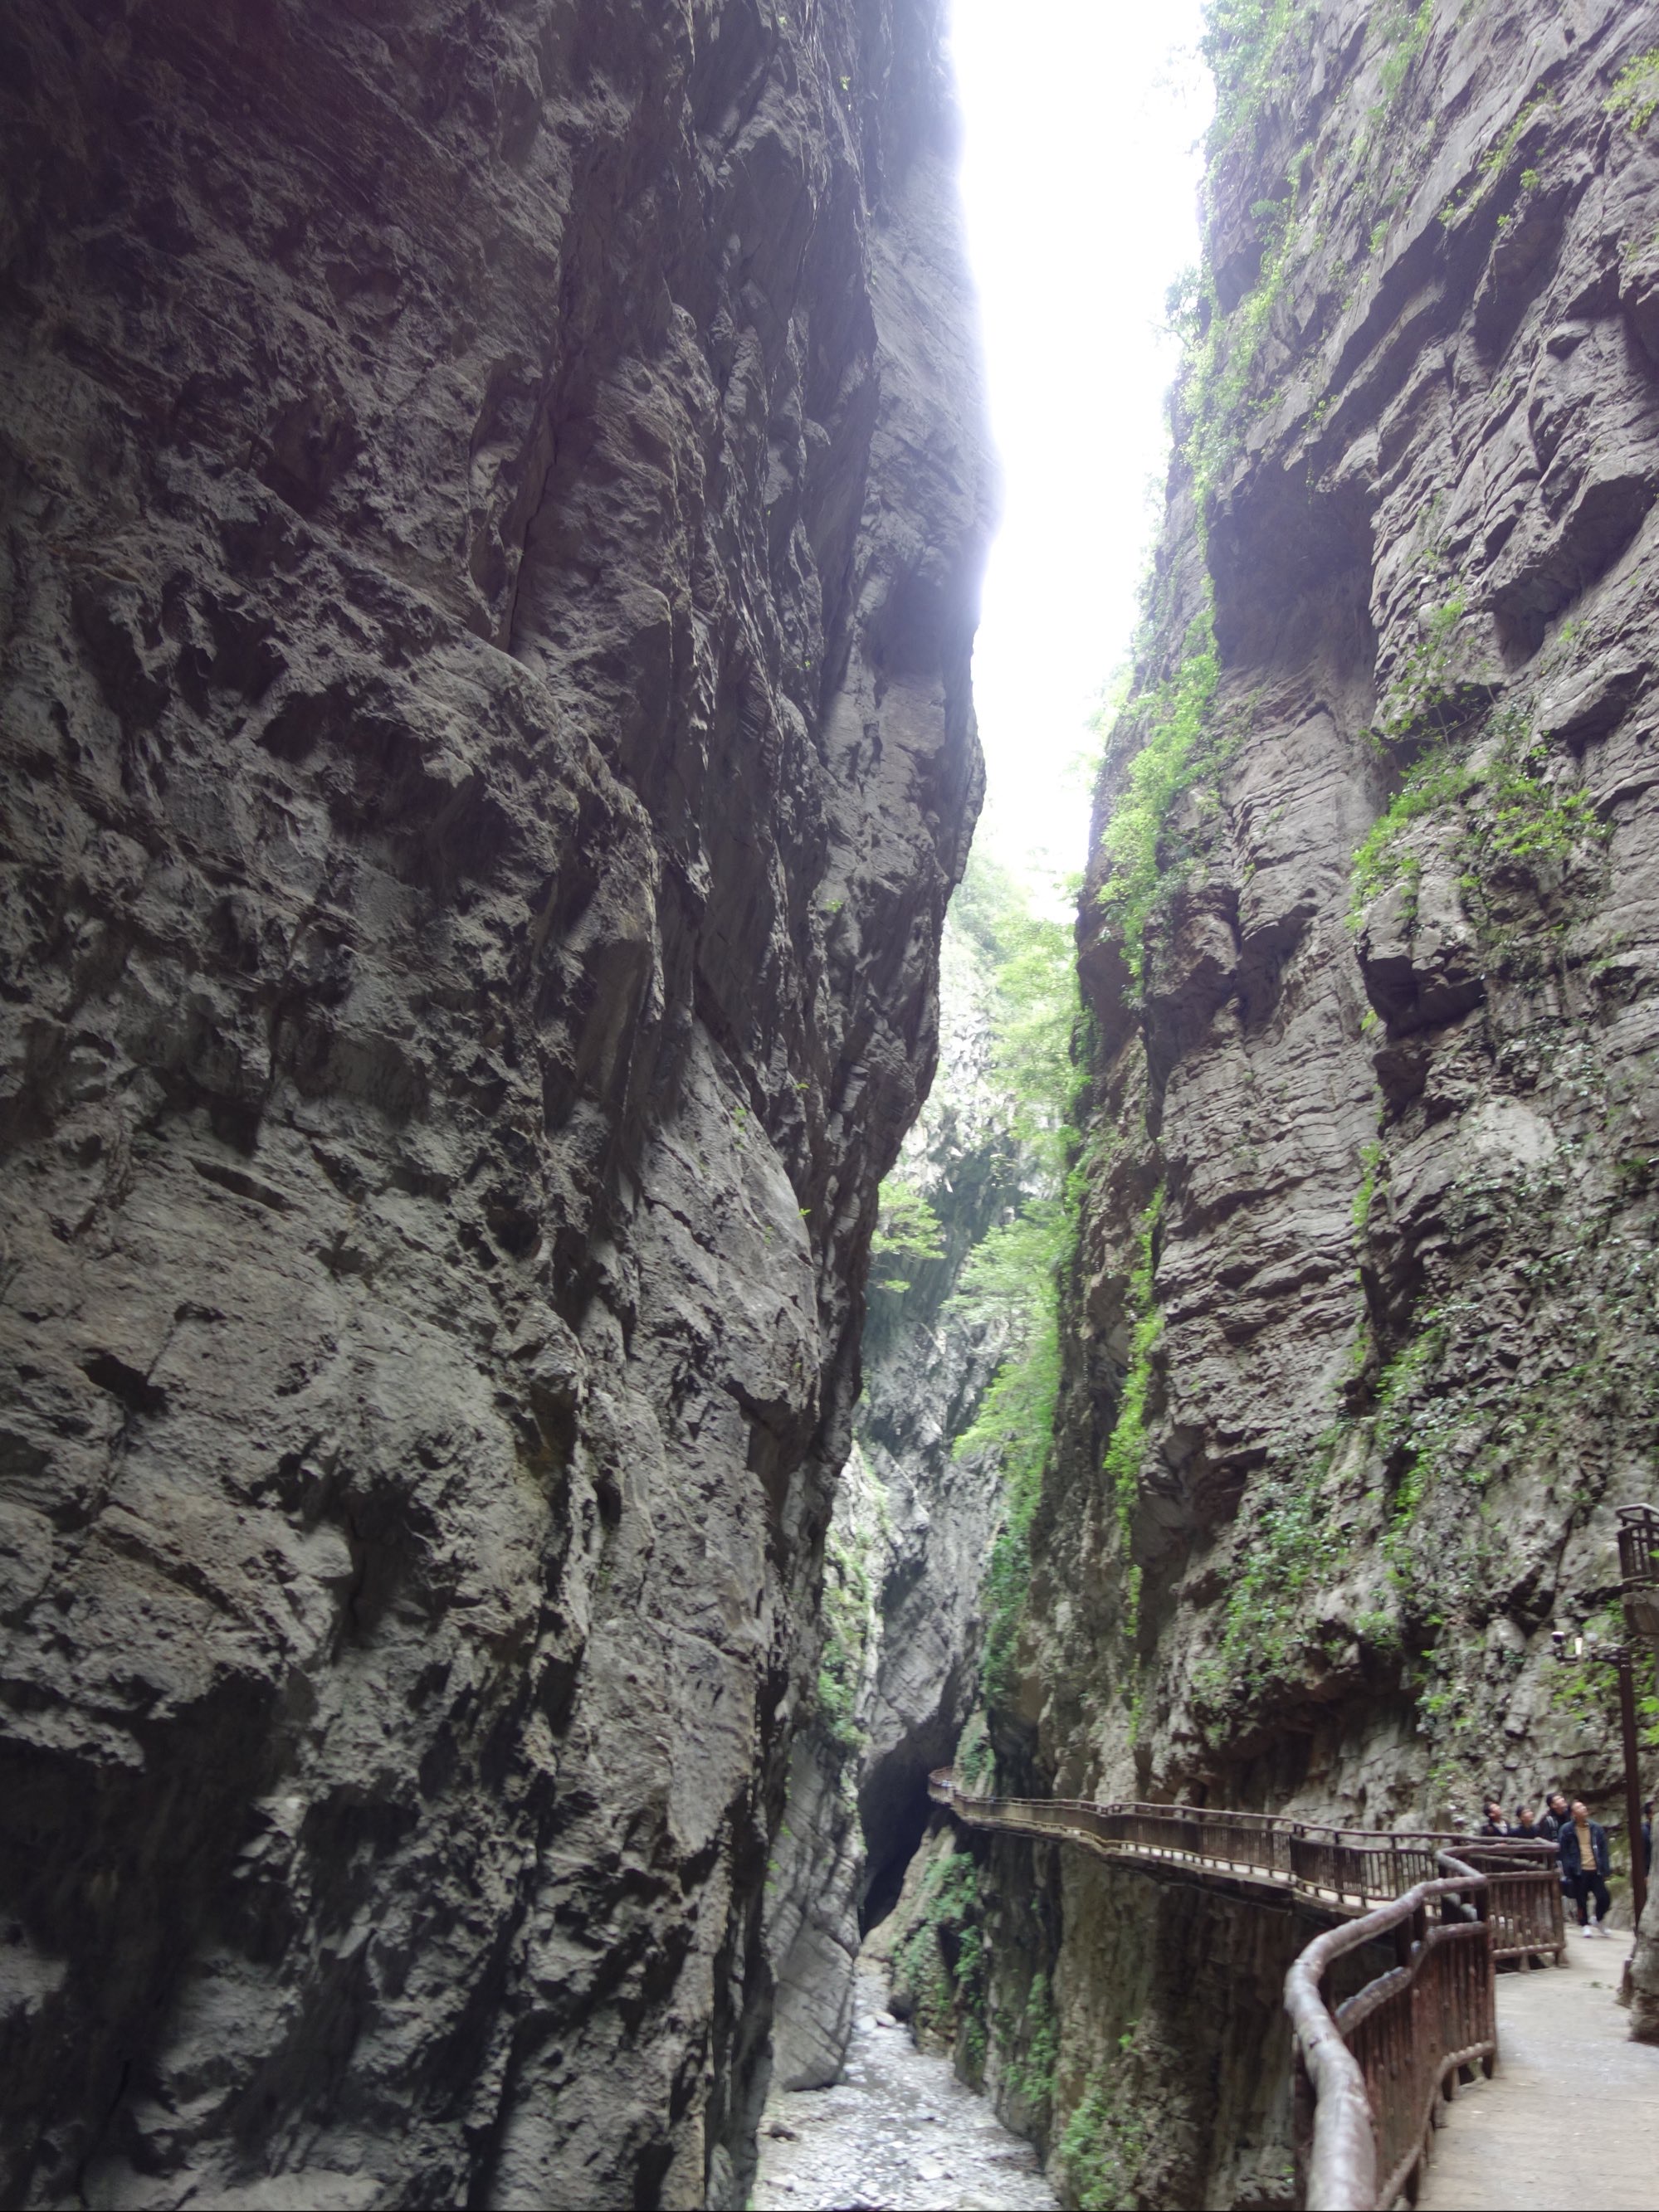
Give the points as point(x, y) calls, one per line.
point(1370, 2069)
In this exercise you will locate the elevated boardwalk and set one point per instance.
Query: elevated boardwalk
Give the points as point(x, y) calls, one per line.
point(1341, 1873)
point(1572, 2115)
point(1373, 2072)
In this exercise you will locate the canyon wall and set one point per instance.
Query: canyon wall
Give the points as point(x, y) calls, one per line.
point(912, 1523)
point(1362, 1320)
point(493, 508)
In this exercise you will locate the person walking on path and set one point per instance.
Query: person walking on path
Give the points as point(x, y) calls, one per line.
point(1583, 1845)
point(1554, 1817)
point(1492, 1820)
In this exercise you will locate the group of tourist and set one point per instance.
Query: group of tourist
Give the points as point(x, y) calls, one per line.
point(1582, 1843)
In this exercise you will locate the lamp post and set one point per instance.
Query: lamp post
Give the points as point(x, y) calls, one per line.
point(1638, 1570)
point(1583, 1649)
point(1638, 1567)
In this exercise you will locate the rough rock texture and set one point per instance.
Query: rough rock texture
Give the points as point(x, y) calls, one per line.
point(916, 1522)
point(493, 500)
point(927, 1365)
point(1643, 1984)
point(1170, 2040)
point(1131, 2027)
point(1399, 1340)
point(1362, 1333)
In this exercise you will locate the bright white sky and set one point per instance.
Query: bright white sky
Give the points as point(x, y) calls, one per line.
point(1080, 178)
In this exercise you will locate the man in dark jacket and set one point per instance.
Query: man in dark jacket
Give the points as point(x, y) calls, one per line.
point(1584, 1863)
point(1554, 1817)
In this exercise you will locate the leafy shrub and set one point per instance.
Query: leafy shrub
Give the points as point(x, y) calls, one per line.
point(1634, 93)
point(908, 1233)
point(1177, 750)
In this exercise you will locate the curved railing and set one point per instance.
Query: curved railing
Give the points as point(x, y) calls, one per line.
point(1372, 2068)
point(1375, 2067)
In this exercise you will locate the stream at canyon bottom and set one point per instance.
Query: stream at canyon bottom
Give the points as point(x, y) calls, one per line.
point(898, 2133)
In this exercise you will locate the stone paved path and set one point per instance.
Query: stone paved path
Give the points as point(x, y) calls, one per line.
point(1572, 2116)
point(899, 2131)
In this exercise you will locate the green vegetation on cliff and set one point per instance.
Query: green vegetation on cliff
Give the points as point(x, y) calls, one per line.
point(1127, 1445)
point(1634, 93)
point(1496, 784)
point(908, 1234)
point(941, 1965)
point(1011, 1278)
point(1176, 751)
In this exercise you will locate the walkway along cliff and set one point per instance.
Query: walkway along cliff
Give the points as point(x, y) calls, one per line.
point(493, 500)
point(1360, 1331)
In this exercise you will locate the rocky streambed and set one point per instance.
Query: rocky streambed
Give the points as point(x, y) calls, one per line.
point(898, 2130)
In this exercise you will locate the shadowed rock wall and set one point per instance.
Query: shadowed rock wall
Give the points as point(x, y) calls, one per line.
point(916, 1523)
point(493, 501)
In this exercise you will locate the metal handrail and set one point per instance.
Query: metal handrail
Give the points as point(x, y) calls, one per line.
point(1360, 2101)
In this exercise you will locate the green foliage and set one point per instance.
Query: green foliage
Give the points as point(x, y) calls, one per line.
point(1525, 819)
point(1179, 748)
point(846, 1628)
point(1511, 812)
point(1371, 1158)
point(908, 1233)
point(1406, 32)
point(1011, 1277)
point(1407, 1428)
point(1634, 93)
point(1104, 2145)
point(1017, 1418)
point(1032, 961)
point(944, 1959)
point(1127, 1446)
point(1247, 45)
point(1589, 1692)
point(1436, 781)
point(1030, 2076)
point(1291, 1546)
point(975, 1759)
point(1422, 698)
point(1494, 163)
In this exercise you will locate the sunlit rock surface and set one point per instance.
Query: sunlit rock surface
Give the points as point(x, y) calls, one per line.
point(493, 506)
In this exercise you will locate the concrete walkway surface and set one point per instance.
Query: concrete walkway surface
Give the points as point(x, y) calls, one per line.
point(1571, 2119)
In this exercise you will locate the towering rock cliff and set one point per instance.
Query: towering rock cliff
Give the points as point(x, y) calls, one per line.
point(1364, 1320)
point(493, 505)
point(1362, 1325)
point(913, 1521)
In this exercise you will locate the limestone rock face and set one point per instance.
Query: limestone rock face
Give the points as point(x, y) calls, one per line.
point(914, 1520)
point(492, 504)
point(928, 1361)
point(1383, 1128)
point(1380, 1124)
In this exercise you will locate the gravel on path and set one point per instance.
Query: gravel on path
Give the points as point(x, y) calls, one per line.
point(898, 2133)
point(1572, 2116)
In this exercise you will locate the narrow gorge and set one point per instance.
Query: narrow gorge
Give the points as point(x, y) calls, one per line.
point(587, 1298)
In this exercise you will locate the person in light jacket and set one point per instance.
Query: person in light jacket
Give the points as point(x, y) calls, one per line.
point(1584, 1863)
